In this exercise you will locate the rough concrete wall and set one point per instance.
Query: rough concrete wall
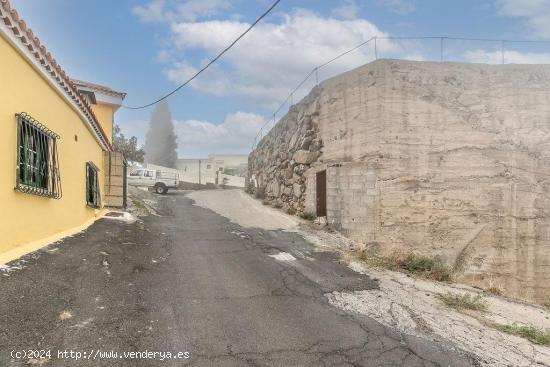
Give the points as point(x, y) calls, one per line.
point(460, 153)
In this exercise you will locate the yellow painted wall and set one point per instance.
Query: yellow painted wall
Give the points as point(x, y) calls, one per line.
point(26, 218)
point(104, 113)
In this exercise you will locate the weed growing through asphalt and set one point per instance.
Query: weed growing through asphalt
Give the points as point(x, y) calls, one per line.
point(424, 266)
point(464, 301)
point(546, 304)
point(533, 334)
point(140, 205)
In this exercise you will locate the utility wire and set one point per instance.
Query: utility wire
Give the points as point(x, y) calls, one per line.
point(210, 63)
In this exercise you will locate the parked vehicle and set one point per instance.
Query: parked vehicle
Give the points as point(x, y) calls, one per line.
point(157, 180)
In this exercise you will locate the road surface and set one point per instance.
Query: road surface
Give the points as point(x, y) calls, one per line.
point(189, 282)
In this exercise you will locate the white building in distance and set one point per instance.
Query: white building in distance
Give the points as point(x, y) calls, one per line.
point(214, 169)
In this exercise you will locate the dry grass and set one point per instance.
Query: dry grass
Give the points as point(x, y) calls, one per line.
point(464, 301)
point(497, 291)
point(495, 288)
point(64, 315)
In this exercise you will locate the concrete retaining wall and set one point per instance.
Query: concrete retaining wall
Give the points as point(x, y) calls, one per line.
point(442, 159)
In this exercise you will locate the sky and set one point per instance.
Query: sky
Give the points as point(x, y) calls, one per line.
point(146, 47)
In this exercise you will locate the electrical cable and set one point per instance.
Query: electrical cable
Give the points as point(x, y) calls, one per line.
point(209, 64)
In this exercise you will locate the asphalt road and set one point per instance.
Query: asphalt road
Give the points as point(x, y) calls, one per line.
point(189, 281)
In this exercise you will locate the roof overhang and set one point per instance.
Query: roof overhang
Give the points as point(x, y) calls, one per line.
point(15, 31)
point(102, 94)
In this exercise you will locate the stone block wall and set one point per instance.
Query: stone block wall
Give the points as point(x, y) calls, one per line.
point(352, 201)
point(113, 169)
point(281, 159)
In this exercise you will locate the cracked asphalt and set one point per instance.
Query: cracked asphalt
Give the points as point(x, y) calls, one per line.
point(188, 280)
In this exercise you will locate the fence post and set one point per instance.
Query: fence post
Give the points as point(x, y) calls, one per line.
point(442, 49)
point(317, 75)
point(375, 48)
point(502, 50)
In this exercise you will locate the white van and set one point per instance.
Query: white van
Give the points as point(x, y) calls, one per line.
point(159, 181)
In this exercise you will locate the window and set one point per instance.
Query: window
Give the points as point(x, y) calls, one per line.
point(37, 161)
point(136, 173)
point(148, 174)
point(92, 186)
point(208, 166)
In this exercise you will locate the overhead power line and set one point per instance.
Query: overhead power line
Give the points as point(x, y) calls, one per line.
point(210, 63)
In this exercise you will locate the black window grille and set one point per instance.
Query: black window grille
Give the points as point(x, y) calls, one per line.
point(93, 197)
point(37, 160)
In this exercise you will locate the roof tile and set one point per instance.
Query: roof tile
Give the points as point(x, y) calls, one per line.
point(39, 51)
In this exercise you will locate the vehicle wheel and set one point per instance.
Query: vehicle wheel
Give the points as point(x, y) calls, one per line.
point(161, 189)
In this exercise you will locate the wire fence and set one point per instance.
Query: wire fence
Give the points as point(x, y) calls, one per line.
point(432, 48)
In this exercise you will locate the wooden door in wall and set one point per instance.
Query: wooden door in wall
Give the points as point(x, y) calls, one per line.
point(321, 193)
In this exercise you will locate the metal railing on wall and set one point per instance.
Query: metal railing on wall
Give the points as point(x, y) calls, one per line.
point(440, 50)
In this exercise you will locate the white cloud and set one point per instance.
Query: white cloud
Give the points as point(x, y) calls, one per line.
point(401, 7)
point(269, 61)
point(348, 9)
point(172, 10)
point(233, 136)
point(510, 57)
point(151, 12)
point(191, 10)
point(535, 12)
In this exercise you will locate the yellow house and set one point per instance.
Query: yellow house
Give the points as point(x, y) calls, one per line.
point(55, 135)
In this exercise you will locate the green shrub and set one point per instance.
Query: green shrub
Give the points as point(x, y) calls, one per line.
point(432, 268)
point(424, 266)
point(372, 259)
point(464, 301)
point(533, 334)
point(308, 216)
